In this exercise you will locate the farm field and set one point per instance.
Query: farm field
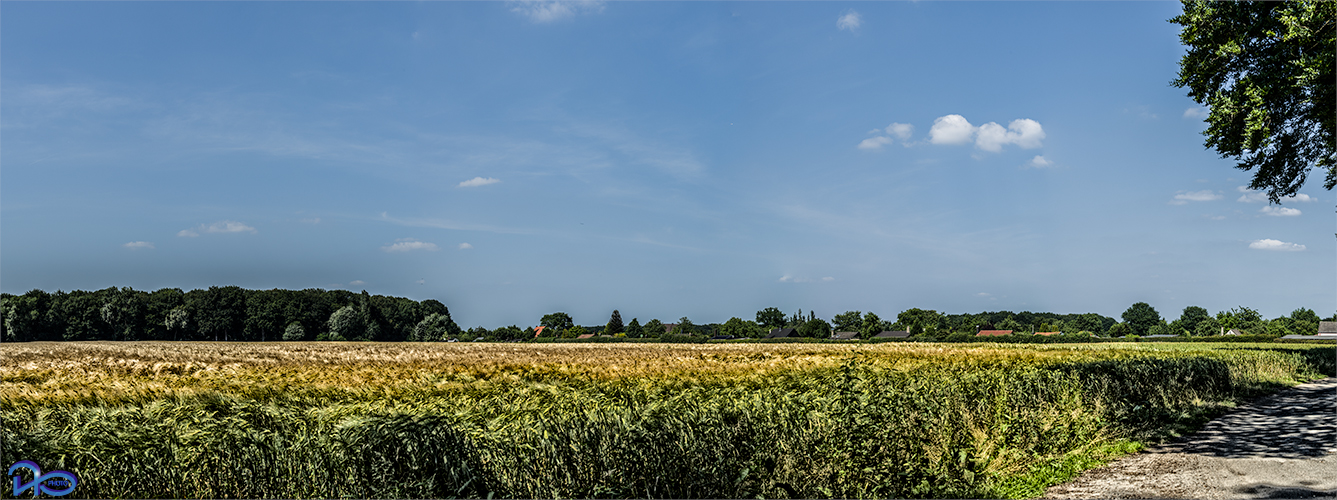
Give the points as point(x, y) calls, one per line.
point(426, 420)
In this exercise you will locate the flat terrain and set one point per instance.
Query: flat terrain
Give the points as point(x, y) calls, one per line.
point(1281, 446)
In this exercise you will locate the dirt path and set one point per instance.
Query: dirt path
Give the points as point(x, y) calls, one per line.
point(1281, 446)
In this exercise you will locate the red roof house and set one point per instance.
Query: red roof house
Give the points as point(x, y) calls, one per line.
point(1049, 333)
point(993, 333)
point(539, 331)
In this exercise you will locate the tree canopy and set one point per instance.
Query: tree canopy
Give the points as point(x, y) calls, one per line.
point(1268, 75)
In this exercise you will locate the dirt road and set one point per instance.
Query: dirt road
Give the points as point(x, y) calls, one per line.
point(1281, 446)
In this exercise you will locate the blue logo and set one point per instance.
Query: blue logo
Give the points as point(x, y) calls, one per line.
point(56, 483)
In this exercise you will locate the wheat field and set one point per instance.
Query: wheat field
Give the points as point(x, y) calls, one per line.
point(416, 420)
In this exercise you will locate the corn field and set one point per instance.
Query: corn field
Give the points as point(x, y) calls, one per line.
point(388, 420)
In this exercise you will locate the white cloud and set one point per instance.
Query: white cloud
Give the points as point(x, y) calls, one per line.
point(902, 131)
point(955, 129)
point(1186, 196)
point(828, 278)
point(874, 143)
point(1280, 211)
point(465, 246)
point(1039, 162)
point(139, 245)
point(547, 11)
point(409, 245)
point(1199, 112)
point(222, 226)
point(357, 283)
point(314, 220)
point(951, 129)
point(786, 279)
point(479, 181)
point(1254, 196)
point(1024, 132)
point(851, 21)
point(1268, 244)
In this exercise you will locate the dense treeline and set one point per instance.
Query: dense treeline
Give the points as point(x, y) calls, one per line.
point(221, 313)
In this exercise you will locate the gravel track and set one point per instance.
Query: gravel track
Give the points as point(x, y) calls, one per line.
point(1280, 446)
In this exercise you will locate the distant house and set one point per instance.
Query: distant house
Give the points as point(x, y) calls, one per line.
point(845, 336)
point(1054, 333)
point(1327, 328)
point(993, 333)
point(1234, 331)
point(892, 334)
point(586, 336)
point(782, 332)
point(1161, 336)
point(538, 332)
point(668, 328)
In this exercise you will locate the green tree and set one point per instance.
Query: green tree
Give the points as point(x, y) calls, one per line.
point(1191, 316)
point(1266, 72)
point(685, 327)
point(1209, 326)
point(346, 324)
point(848, 321)
point(573, 332)
point(816, 328)
point(435, 328)
point(614, 325)
point(1120, 330)
point(634, 329)
point(739, 328)
point(872, 325)
point(1009, 323)
point(1305, 321)
point(1140, 317)
point(770, 317)
point(920, 321)
point(294, 331)
point(558, 321)
point(653, 329)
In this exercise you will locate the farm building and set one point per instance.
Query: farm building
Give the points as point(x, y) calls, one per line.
point(585, 336)
point(993, 333)
point(845, 336)
point(782, 332)
point(1048, 333)
point(1327, 328)
point(892, 334)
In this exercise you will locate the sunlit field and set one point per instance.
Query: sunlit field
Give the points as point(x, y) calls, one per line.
point(415, 420)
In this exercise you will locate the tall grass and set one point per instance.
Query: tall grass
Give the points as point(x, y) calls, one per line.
point(609, 420)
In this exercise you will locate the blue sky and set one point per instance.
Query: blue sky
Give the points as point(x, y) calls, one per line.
point(666, 159)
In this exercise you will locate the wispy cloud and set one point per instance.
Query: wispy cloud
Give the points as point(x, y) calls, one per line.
point(453, 225)
point(547, 11)
point(874, 143)
point(465, 246)
point(1255, 196)
point(1280, 211)
point(1186, 196)
point(901, 131)
point(222, 226)
point(357, 283)
point(410, 245)
point(849, 21)
point(1039, 162)
point(1199, 113)
point(479, 181)
point(1277, 245)
point(139, 245)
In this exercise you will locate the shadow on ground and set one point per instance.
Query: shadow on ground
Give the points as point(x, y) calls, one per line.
point(1288, 425)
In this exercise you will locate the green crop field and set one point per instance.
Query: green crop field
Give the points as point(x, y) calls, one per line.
point(387, 420)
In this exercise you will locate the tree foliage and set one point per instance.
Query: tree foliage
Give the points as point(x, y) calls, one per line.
point(614, 325)
point(1266, 71)
point(1140, 317)
point(771, 317)
point(558, 321)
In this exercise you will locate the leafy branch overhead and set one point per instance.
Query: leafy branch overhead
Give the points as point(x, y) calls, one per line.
point(1266, 72)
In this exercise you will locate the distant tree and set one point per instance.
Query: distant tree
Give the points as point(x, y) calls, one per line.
point(872, 325)
point(614, 325)
point(848, 321)
point(294, 331)
point(771, 317)
point(653, 329)
point(1209, 326)
point(1089, 322)
point(346, 324)
point(684, 327)
point(920, 321)
point(1305, 321)
point(1009, 323)
point(478, 332)
point(1120, 330)
point(1267, 72)
point(735, 327)
point(510, 333)
point(1140, 317)
point(558, 321)
point(816, 328)
point(1191, 316)
point(574, 332)
point(634, 329)
point(1161, 328)
point(434, 328)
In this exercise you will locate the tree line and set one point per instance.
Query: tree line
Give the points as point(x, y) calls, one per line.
point(226, 313)
point(232, 313)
